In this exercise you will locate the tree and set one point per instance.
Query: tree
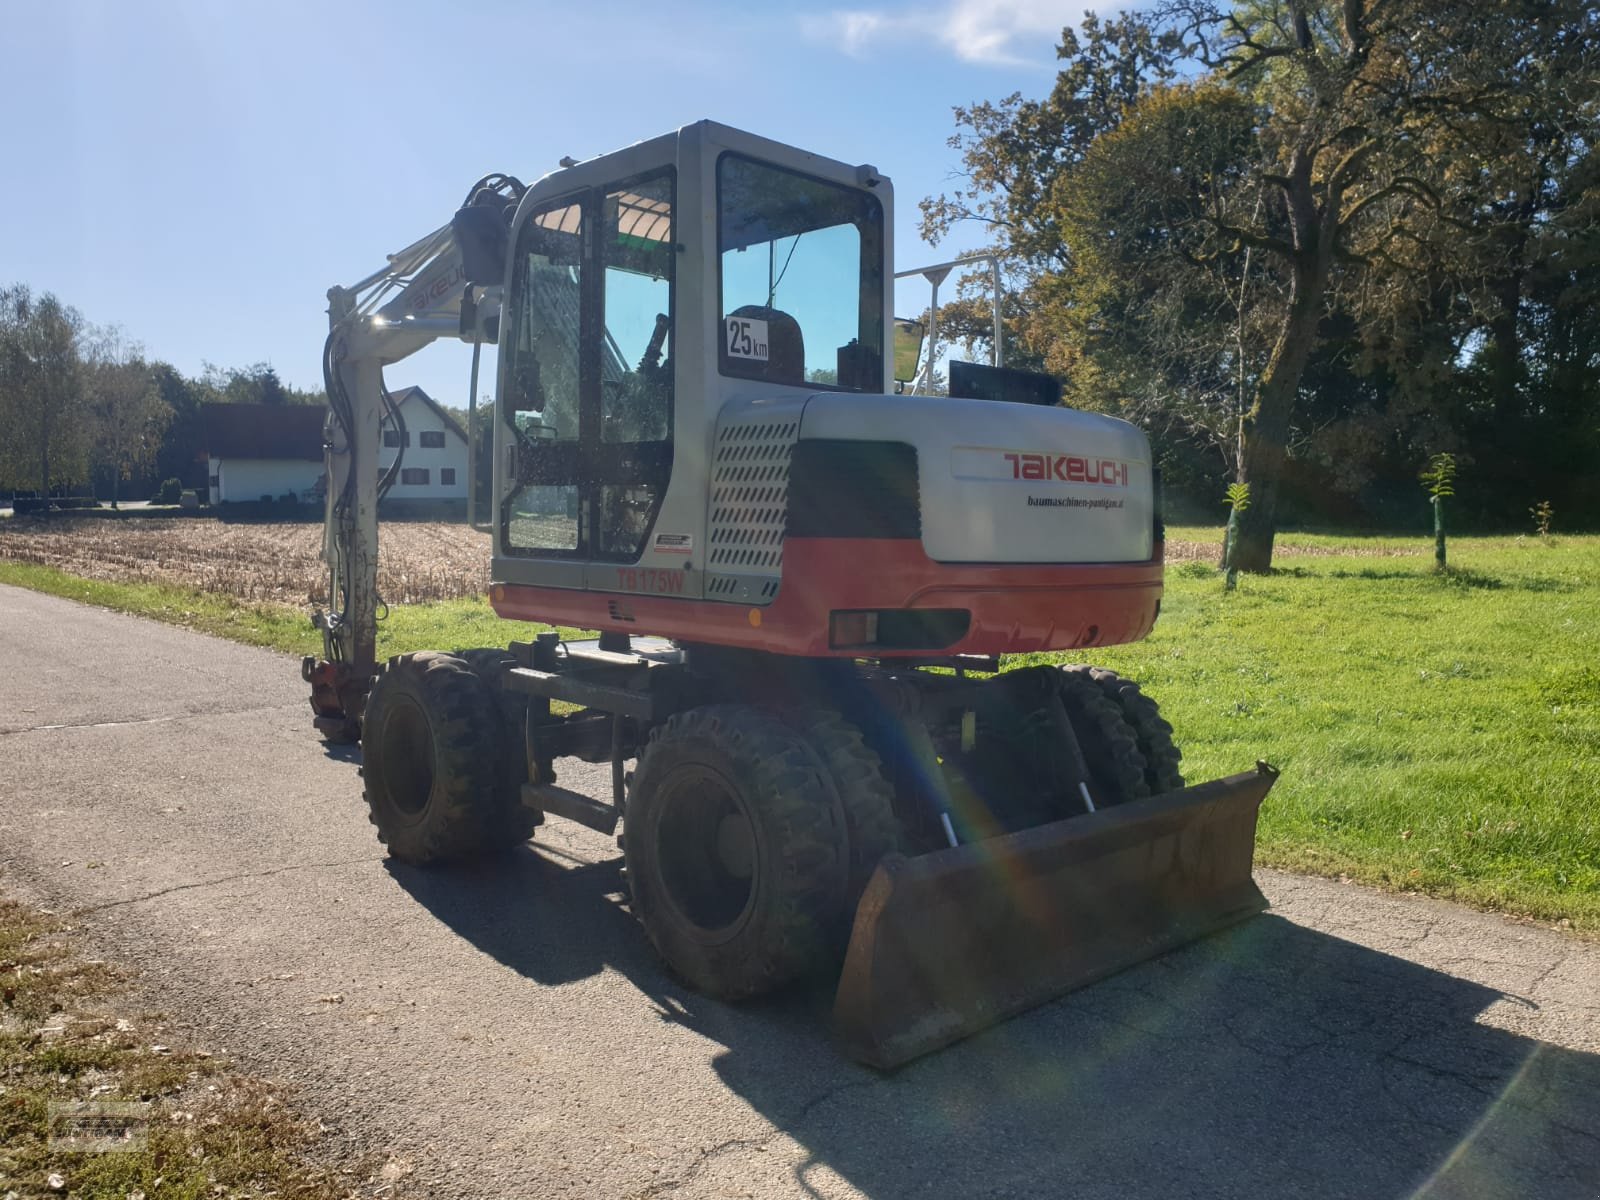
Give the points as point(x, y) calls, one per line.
point(255, 384)
point(184, 443)
point(41, 415)
point(1015, 150)
point(1165, 311)
point(127, 413)
point(1290, 250)
point(1356, 101)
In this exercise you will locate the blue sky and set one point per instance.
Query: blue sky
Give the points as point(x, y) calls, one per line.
point(200, 171)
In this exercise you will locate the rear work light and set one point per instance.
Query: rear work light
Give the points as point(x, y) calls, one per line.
point(898, 628)
point(847, 629)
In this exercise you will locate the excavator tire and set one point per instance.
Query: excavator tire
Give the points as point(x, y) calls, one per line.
point(736, 851)
point(432, 748)
point(1152, 732)
point(865, 797)
point(487, 663)
point(1117, 770)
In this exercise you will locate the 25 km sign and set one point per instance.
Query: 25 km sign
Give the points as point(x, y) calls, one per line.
point(747, 338)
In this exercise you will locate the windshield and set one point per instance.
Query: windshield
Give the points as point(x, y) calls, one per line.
point(801, 278)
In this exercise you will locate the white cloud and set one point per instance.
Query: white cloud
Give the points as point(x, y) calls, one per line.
point(992, 32)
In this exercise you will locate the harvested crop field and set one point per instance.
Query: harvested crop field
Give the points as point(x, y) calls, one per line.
point(274, 563)
point(418, 561)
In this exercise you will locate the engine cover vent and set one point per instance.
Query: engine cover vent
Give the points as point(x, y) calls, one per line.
point(749, 501)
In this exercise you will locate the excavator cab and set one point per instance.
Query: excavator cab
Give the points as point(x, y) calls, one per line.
point(605, 430)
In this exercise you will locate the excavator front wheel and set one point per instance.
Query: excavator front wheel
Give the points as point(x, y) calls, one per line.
point(736, 851)
point(432, 749)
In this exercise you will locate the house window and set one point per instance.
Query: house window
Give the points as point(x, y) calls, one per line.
point(447, 476)
point(432, 439)
point(414, 475)
point(391, 438)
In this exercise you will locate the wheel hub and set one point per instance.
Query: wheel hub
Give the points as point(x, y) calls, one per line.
point(736, 846)
point(707, 851)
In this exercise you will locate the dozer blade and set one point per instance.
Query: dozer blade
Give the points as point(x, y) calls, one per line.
point(951, 942)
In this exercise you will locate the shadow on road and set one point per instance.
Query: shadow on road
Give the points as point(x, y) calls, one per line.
point(1269, 1061)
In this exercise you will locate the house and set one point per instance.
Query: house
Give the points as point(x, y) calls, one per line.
point(256, 451)
point(262, 451)
point(435, 464)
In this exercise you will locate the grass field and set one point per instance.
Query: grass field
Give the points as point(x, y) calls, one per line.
point(1436, 733)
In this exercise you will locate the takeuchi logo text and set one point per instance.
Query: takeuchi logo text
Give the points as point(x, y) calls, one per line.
point(1068, 468)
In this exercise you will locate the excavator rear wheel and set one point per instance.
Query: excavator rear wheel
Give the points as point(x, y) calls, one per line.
point(432, 749)
point(865, 797)
point(1152, 732)
point(736, 850)
point(1117, 770)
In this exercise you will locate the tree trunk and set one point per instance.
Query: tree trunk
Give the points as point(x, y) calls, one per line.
point(44, 458)
point(1265, 441)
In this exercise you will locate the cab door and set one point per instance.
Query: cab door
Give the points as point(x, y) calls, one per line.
point(585, 420)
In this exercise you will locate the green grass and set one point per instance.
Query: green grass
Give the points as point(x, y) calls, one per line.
point(1436, 733)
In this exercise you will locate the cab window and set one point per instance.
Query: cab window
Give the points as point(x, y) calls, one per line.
point(587, 383)
point(545, 351)
point(801, 278)
point(636, 358)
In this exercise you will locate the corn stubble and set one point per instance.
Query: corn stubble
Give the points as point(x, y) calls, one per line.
point(418, 561)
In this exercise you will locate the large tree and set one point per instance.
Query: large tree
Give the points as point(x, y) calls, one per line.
point(1200, 246)
point(128, 416)
point(43, 436)
point(1013, 153)
point(1361, 104)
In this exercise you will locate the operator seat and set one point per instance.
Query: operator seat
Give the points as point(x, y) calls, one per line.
point(786, 346)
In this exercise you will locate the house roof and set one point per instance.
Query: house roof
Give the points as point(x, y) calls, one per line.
point(401, 395)
point(279, 431)
point(287, 431)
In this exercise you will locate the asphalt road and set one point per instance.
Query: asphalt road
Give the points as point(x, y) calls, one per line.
point(504, 1031)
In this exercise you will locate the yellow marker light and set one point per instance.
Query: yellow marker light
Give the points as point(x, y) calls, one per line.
point(497, 593)
point(755, 618)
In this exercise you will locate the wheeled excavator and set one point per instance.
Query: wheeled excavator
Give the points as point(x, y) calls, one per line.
point(802, 591)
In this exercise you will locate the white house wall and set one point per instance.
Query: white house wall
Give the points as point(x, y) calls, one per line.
point(420, 418)
point(243, 480)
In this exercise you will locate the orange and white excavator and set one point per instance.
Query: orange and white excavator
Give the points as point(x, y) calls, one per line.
point(804, 588)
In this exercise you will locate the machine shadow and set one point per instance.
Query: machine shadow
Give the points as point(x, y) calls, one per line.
point(1270, 1060)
